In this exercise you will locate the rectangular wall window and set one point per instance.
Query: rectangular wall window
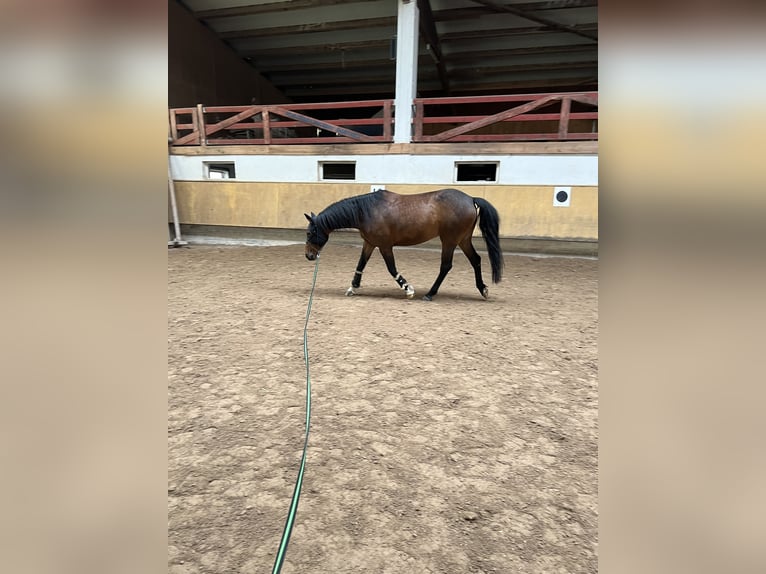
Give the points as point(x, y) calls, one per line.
point(219, 170)
point(476, 171)
point(344, 170)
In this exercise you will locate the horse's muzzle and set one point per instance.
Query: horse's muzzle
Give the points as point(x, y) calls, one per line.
point(312, 252)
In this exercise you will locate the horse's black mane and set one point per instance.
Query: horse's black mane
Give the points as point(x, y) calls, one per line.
point(349, 212)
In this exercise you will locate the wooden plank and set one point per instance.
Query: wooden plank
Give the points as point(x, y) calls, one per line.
point(522, 118)
point(173, 125)
point(293, 124)
point(518, 137)
point(337, 147)
point(195, 132)
point(229, 109)
point(323, 125)
point(566, 104)
point(387, 120)
point(220, 142)
point(502, 98)
point(418, 119)
point(311, 106)
point(518, 110)
point(266, 127)
point(277, 141)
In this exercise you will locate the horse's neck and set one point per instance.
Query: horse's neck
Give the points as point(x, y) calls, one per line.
point(340, 217)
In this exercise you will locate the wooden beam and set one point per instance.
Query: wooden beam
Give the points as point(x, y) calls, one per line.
point(377, 90)
point(503, 32)
point(266, 8)
point(485, 148)
point(428, 29)
point(332, 26)
point(564, 84)
point(546, 5)
point(532, 51)
point(349, 81)
point(566, 106)
point(470, 72)
point(266, 66)
point(440, 15)
point(534, 18)
point(467, 13)
point(313, 48)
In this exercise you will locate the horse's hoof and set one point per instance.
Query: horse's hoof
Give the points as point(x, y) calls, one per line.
point(409, 292)
point(485, 293)
point(349, 291)
point(427, 298)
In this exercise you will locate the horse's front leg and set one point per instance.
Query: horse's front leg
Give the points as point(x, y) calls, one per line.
point(367, 250)
point(388, 257)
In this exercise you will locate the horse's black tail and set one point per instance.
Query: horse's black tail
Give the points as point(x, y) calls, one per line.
point(489, 223)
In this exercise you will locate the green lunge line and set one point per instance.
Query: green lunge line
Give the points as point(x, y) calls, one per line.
point(299, 481)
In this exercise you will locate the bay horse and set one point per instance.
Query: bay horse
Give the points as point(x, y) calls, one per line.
point(386, 219)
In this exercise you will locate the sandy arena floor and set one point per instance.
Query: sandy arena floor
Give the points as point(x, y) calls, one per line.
point(456, 436)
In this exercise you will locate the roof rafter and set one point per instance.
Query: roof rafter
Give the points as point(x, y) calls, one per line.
point(534, 18)
point(386, 21)
point(428, 28)
point(270, 7)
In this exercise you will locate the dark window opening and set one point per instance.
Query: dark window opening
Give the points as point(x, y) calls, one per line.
point(476, 172)
point(220, 171)
point(338, 170)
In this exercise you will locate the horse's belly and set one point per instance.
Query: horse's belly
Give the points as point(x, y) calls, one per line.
point(416, 236)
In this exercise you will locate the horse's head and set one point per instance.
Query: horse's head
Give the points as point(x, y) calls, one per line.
point(315, 238)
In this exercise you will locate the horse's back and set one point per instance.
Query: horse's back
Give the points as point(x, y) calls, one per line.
point(450, 198)
point(410, 219)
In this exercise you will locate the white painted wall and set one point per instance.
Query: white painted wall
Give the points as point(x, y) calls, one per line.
point(400, 169)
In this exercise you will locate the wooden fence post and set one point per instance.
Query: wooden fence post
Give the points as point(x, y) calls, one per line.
point(566, 104)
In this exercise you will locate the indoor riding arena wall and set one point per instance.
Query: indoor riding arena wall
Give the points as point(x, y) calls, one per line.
point(272, 192)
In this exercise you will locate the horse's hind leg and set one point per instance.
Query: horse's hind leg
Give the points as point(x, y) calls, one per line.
point(467, 247)
point(447, 252)
point(367, 250)
point(388, 257)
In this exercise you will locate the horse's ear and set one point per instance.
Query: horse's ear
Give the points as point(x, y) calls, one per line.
point(309, 217)
point(313, 215)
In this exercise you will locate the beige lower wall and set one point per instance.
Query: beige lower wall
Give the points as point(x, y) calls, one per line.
point(525, 211)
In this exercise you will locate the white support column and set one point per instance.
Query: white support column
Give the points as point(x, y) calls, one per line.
point(406, 68)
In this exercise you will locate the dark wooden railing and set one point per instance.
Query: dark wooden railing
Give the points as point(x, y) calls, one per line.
point(532, 117)
point(365, 121)
point(528, 117)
